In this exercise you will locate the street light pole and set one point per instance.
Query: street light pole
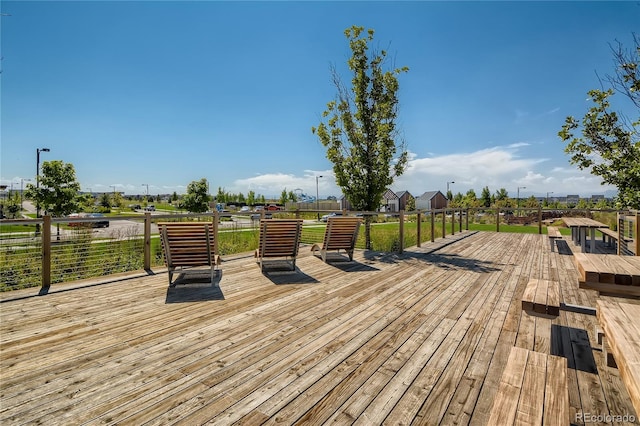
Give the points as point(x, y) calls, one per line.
point(38, 151)
point(547, 199)
point(519, 188)
point(318, 197)
point(448, 199)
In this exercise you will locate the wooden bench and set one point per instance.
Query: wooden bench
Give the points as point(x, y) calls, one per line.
point(609, 273)
point(553, 234)
point(188, 245)
point(341, 233)
point(533, 390)
point(619, 321)
point(279, 238)
point(542, 297)
point(609, 235)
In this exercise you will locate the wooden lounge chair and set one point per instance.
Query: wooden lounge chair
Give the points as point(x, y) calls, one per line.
point(279, 238)
point(188, 245)
point(341, 234)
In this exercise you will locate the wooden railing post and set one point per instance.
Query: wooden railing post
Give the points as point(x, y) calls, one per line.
point(637, 236)
point(216, 221)
point(433, 225)
point(453, 222)
point(401, 231)
point(444, 223)
point(147, 241)
point(498, 219)
point(539, 219)
point(419, 219)
point(46, 251)
point(467, 220)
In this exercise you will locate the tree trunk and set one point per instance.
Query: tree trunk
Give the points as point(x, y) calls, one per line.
point(367, 232)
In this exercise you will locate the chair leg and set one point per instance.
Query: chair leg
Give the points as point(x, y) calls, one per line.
point(171, 283)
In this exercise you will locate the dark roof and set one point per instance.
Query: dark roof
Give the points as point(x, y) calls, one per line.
point(402, 194)
point(389, 195)
point(429, 195)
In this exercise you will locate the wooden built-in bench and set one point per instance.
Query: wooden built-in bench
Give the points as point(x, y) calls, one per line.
point(619, 321)
point(542, 297)
point(533, 390)
point(188, 245)
point(553, 234)
point(609, 273)
point(608, 235)
point(279, 238)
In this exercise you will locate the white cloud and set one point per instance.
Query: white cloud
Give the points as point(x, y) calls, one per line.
point(272, 184)
point(496, 167)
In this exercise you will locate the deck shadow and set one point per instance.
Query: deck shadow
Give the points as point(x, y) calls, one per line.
point(441, 260)
point(564, 248)
point(280, 275)
point(343, 263)
point(573, 344)
point(195, 287)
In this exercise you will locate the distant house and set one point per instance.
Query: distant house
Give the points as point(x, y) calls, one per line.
point(389, 201)
point(431, 200)
point(403, 199)
point(344, 203)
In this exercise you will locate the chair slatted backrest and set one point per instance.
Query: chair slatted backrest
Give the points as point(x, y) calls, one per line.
point(188, 243)
point(341, 233)
point(279, 237)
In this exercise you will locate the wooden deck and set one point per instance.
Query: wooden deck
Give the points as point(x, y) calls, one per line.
point(418, 338)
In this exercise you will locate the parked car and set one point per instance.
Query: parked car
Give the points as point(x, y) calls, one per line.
point(150, 208)
point(244, 209)
point(256, 216)
point(100, 223)
point(96, 224)
point(327, 216)
point(75, 215)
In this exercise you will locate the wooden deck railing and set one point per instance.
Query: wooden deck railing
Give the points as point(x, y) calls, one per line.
point(451, 220)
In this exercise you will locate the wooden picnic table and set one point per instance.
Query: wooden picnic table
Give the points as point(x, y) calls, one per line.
point(579, 226)
point(620, 321)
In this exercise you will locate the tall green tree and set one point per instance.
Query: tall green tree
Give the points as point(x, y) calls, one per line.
point(58, 189)
point(105, 200)
point(609, 145)
point(251, 198)
point(284, 196)
point(197, 198)
point(359, 127)
point(485, 198)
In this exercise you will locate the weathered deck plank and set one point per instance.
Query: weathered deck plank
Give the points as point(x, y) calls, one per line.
point(419, 337)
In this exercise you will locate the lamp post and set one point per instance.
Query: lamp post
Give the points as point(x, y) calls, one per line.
point(38, 151)
point(452, 182)
point(318, 197)
point(146, 197)
point(519, 188)
point(547, 199)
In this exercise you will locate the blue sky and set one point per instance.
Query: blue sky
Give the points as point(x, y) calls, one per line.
point(163, 93)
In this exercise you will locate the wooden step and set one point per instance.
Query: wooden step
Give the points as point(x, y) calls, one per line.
point(542, 297)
